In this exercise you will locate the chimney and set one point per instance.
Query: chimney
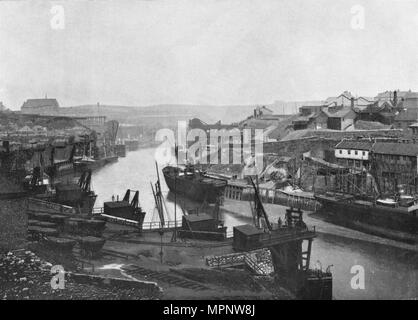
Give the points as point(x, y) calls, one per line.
point(395, 98)
point(352, 103)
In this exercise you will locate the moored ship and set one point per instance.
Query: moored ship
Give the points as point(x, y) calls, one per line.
point(193, 183)
point(77, 195)
point(387, 217)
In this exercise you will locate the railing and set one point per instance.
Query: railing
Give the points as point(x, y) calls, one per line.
point(155, 225)
point(284, 233)
point(149, 225)
point(272, 196)
point(229, 234)
point(97, 210)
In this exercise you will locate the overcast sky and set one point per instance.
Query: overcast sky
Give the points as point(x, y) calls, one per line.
point(205, 52)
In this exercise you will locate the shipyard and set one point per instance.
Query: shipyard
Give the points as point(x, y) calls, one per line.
point(207, 230)
point(107, 192)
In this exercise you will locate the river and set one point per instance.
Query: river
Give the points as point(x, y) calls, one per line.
point(389, 273)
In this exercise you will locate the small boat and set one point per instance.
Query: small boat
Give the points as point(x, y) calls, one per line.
point(406, 200)
point(387, 202)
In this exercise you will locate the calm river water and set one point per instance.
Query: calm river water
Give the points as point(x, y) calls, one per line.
point(390, 273)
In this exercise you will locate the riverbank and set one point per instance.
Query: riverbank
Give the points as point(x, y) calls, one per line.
point(25, 276)
point(242, 208)
point(180, 267)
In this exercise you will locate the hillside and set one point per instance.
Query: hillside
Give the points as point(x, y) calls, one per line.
point(13, 120)
point(207, 113)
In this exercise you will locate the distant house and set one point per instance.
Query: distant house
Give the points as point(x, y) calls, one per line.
point(409, 99)
point(380, 111)
point(414, 129)
point(262, 118)
point(196, 123)
point(311, 117)
point(354, 153)
point(25, 130)
point(343, 99)
point(391, 95)
point(405, 119)
point(40, 130)
point(394, 158)
point(334, 113)
point(262, 111)
point(340, 118)
point(40, 106)
point(347, 99)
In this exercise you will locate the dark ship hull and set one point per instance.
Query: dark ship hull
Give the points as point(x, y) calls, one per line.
point(396, 221)
point(84, 203)
point(125, 209)
point(82, 165)
point(197, 187)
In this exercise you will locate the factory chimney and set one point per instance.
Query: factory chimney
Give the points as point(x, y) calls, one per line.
point(395, 98)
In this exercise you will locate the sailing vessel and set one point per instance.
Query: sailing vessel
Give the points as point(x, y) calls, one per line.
point(193, 183)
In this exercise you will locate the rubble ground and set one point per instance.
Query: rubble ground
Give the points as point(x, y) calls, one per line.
point(23, 275)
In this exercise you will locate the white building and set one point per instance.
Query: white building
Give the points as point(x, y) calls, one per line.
point(353, 153)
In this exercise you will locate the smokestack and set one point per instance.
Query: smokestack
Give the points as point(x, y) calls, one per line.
point(352, 103)
point(395, 98)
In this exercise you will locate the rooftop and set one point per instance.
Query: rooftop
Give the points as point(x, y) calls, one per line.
point(37, 103)
point(394, 148)
point(248, 229)
point(339, 113)
point(355, 145)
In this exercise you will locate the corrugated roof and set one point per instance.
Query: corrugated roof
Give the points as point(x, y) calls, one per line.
point(354, 145)
point(393, 148)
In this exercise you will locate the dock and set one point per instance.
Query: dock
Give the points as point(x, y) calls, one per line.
point(240, 190)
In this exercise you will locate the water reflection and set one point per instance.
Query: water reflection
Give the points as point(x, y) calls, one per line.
point(389, 273)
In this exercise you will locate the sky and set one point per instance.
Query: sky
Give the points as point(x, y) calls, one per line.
point(216, 52)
